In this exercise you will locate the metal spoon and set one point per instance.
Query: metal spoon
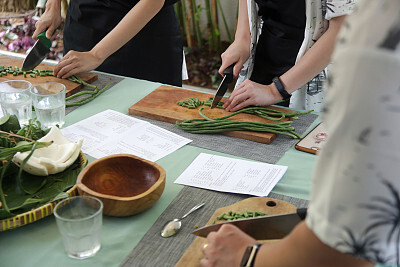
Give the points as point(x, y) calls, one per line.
point(172, 227)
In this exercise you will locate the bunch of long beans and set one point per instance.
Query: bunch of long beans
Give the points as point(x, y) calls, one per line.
point(222, 124)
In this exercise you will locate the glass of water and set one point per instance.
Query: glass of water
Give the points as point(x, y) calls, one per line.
point(15, 99)
point(79, 220)
point(49, 103)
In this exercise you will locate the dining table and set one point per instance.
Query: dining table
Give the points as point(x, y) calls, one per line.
point(124, 239)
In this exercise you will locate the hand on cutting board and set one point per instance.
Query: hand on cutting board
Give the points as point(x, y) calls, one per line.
point(49, 20)
point(237, 52)
point(76, 62)
point(252, 93)
point(226, 247)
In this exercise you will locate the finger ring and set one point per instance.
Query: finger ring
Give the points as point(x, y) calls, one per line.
point(204, 247)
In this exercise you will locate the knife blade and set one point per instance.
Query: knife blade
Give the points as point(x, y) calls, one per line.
point(261, 228)
point(38, 53)
point(224, 85)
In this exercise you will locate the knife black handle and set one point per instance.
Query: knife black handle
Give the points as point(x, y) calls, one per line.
point(302, 212)
point(228, 72)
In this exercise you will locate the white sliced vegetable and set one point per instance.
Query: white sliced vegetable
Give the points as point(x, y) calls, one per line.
point(52, 159)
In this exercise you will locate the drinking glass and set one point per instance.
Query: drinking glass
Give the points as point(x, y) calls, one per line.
point(15, 99)
point(49, 103)
point(79, 221)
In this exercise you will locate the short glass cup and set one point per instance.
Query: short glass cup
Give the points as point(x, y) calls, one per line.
point(15, 99)
point(49, 103)
point(79, 220)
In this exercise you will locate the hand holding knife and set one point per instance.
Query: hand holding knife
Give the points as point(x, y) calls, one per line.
point(223, 87)
point(261, 228)
point(38, 53)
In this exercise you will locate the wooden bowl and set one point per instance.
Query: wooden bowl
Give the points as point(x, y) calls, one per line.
point(126, 184)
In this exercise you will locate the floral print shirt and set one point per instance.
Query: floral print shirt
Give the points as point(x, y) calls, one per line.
point(355, 197)
point(318, 13)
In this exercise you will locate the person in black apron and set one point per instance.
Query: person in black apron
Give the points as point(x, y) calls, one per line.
point(155, 53)
point(282, 35)
point(280, 40)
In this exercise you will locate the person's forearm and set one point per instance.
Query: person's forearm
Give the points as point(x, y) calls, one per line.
point(128, 27)
point(303, 248)
point(314, 60)
point(53, 6)
point(243, 29)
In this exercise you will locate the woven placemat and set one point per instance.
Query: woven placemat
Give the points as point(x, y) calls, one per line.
point(270, 153)
point(103, 80)
point(154, 250)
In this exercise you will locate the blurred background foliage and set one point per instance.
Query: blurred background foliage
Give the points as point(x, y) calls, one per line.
point(207, 28)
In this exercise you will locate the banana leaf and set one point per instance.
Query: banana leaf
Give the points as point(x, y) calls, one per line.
point(46, 188)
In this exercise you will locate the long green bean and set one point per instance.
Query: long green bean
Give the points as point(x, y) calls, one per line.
point(88, 99)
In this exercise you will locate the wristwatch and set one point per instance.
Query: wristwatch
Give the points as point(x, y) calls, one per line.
point(281, 88)
point(249, 255)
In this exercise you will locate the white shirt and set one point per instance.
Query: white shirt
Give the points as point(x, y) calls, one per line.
point(355, 197)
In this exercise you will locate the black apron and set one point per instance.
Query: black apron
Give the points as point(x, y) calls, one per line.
point(280, 40)
point(154, 54)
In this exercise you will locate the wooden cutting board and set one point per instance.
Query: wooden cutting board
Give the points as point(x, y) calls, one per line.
point(161, 105)
point(70, 87)
point(193, 254)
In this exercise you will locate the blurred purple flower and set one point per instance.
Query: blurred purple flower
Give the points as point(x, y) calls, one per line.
point(27, 42)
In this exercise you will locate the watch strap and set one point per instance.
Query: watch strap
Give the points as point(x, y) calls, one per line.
point(281, 88)
point(249, 255)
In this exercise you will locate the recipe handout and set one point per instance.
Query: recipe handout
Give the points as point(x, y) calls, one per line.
point(111, 132)
point(231, 175)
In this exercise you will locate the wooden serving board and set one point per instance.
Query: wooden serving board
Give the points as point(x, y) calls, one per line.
point(70, 87)
point(271, 206)
point(161, 105)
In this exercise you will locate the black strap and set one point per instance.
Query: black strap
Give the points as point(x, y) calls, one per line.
point(302, 212)
point(281, 88)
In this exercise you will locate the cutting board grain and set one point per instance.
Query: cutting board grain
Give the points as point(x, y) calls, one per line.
point(70, 87)
point(161, 105)
point(271, 206)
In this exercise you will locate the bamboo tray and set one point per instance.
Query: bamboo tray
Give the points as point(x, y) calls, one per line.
point(40, 212)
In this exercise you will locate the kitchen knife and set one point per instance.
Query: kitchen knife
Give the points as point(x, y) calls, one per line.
point(38, 53)
point(223, 87)
point(261, 228)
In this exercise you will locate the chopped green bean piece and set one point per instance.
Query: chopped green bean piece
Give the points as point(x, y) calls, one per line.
point(221, 216)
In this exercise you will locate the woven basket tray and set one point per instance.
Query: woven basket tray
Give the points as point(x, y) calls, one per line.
point(38, 213)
